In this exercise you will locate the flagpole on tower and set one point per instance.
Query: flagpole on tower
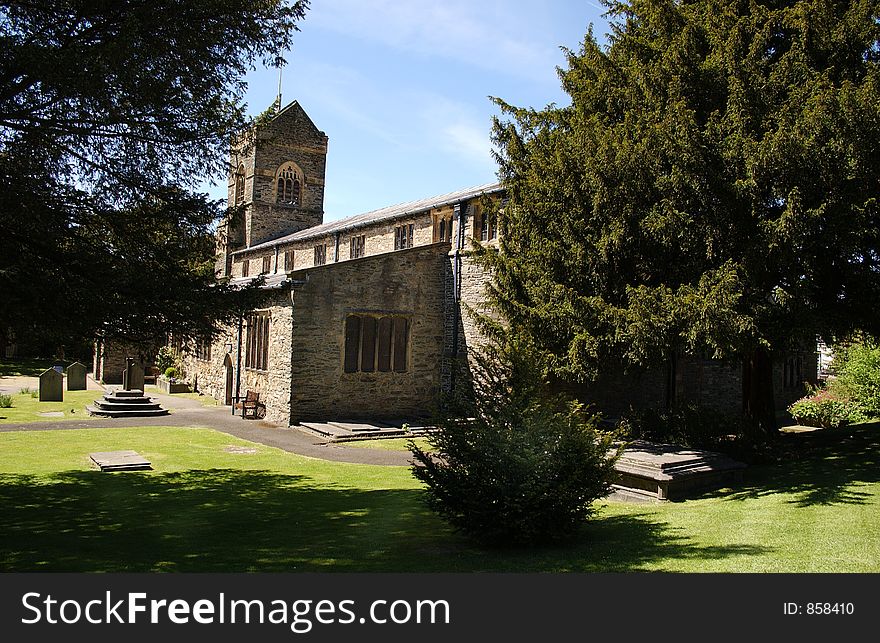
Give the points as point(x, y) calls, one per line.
point(280, 62)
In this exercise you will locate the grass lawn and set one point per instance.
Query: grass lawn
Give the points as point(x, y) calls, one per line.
point(28, 409)
point(390, 444)
point(206, 507)
point(28, 367)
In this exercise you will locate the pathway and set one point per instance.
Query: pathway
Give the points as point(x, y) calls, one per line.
point(189, 412)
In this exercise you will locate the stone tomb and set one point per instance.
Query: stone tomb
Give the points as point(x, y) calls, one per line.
point(670, 472)
point(51, 386)
point(76, 377)
point(120, 461)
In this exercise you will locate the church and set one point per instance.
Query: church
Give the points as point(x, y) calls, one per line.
point(367, 317)
point(364, 314)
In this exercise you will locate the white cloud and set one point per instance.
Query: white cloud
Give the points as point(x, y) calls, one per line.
point(457, 131)
point(499, 36)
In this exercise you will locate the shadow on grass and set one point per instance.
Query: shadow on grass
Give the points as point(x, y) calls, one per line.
point(230, 520)
point(27, 367)
point(822, 467)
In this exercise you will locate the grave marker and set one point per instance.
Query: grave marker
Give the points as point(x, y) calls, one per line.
point(132, 376)
point(51, 386)
point(76, 377)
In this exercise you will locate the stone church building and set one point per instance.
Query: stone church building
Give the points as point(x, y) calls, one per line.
point(367, 315)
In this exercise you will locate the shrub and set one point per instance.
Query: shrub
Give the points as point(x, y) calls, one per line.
point(27, 390)
point(511, 464)
point(172, 372)
point(5, 401)
point(858, 376)
point(165, 358)
point(827, 409)
point(686, 425)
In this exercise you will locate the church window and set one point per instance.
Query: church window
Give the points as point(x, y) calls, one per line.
point(488, 226)
point(267, 265)
point(288, 260)
point(320, 254)
point(239, 185)
point(376, 344)
point(257, 341)
point(403, 236)
point(444, 229)
point(203, 350)
point(358, 246)
point(289, 185)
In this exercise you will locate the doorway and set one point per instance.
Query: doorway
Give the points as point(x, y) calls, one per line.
point(227, 363)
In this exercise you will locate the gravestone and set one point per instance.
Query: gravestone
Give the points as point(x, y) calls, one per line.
point(132, 376)
point(76, 377)
point(51, 386)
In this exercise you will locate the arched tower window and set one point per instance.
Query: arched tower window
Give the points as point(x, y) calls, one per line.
point(239, 185)
point(288, 185)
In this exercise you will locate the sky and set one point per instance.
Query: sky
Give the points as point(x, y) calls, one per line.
point(401, 88)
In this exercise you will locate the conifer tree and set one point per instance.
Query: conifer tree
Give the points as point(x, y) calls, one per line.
point(112, 115)
point(712, 188)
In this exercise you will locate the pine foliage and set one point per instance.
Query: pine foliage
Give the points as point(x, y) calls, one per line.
point(712, 188)
point(511, 464)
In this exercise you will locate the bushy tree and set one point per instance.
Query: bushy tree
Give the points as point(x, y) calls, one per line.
point(712, 188)
point(112, 114)
point(857, 366)
point(512, 464)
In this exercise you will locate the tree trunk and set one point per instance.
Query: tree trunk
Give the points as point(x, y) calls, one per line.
point(758, 403)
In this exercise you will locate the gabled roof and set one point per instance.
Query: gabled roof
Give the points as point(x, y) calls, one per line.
point(390, 213)
point(295, 111)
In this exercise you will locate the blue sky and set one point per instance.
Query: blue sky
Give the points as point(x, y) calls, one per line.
point(401, 87)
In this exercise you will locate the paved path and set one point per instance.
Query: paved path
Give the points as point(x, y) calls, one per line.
point(189, 412)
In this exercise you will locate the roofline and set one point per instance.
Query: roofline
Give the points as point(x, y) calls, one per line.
point(493, 188)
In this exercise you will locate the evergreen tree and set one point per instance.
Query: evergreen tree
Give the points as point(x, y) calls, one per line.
point(713, 187)
point(512, 463)
point(112, 114)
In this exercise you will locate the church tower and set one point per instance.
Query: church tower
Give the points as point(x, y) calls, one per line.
point(276, 179)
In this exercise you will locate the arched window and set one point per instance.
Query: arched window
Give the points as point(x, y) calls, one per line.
point(288, 185)
point(239, 185)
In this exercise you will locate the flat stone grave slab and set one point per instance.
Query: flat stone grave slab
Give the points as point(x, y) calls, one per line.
point(669, 472)
point(339, 431)
point(52, 414)
point(120, 461)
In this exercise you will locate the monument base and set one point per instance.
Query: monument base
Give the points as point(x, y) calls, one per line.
point(670, 472)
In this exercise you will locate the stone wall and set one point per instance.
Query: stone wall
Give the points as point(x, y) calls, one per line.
point(405, 283)
point(108, 360)
point(273, 384)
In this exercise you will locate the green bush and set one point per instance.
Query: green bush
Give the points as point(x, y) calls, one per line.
point(5, 401)
point(686, 425)
point(858, 376)
point(166, 358)
point(27, 390)
point(511, 464)
point(826, 409)
point(172, 372)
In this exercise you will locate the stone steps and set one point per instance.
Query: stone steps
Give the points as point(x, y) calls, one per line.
point(126, 404)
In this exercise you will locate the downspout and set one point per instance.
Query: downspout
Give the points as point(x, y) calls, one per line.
point(458, 213)
point(238, 364)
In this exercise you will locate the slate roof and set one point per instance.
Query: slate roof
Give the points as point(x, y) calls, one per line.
point(375, 216)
